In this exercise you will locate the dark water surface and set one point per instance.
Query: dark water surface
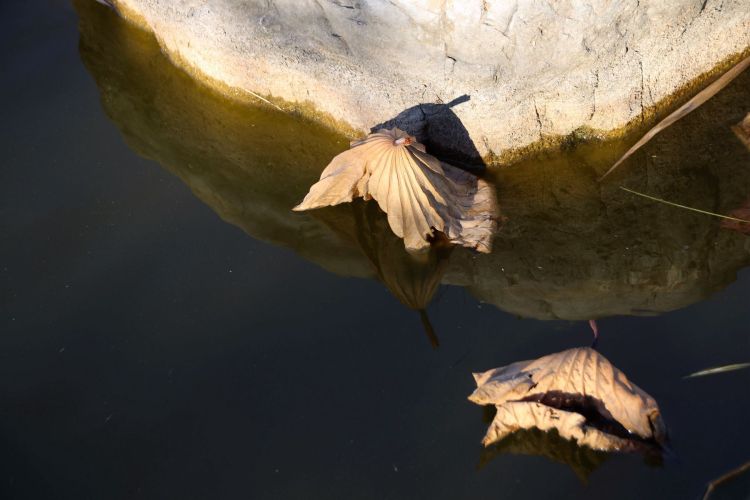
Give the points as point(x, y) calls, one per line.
point(170, 329)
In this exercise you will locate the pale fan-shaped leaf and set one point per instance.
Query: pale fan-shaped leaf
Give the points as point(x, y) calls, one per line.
point(578, 392)
point(420, 194)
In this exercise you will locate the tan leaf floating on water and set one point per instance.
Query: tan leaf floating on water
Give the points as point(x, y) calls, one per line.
point(420, 194)
point(576, 392)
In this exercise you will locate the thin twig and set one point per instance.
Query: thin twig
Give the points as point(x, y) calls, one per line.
point(263, 99)
point(724, 478)
point(684, 206)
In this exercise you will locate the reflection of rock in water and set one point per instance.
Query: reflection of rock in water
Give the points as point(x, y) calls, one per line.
point(571, 248)
point(581, 459)
point(249, 164)
point(576, 249)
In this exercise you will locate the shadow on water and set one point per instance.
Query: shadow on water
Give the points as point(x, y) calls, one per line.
point(571, 248)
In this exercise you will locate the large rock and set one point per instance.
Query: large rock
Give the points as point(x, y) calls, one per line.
point(531, 69)
point(571, 248)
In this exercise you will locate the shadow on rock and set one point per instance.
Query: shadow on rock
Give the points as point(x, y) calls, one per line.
point(436, 126)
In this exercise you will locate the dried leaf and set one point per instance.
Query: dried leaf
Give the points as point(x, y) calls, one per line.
point(594, 329)
point(576, 392)
point(739, 216)
point(700, 98)
point(420, 194)
point(742, 131)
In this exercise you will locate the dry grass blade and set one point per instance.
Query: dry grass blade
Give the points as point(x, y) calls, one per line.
point(700, 98)
point(724, 478)
point(718, 369)
point(257, 96)
point(654, 198)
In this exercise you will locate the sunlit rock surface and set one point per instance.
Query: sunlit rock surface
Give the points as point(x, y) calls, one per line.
point(530, 68)
point(571, 248)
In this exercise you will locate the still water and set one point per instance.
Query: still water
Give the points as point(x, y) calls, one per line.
point(170, 329)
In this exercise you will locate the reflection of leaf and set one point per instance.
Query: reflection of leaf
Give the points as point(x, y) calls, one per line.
point(581, 459)
point(412, 278)
point(420, 194)
point(701, 97)
point(578, 393)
